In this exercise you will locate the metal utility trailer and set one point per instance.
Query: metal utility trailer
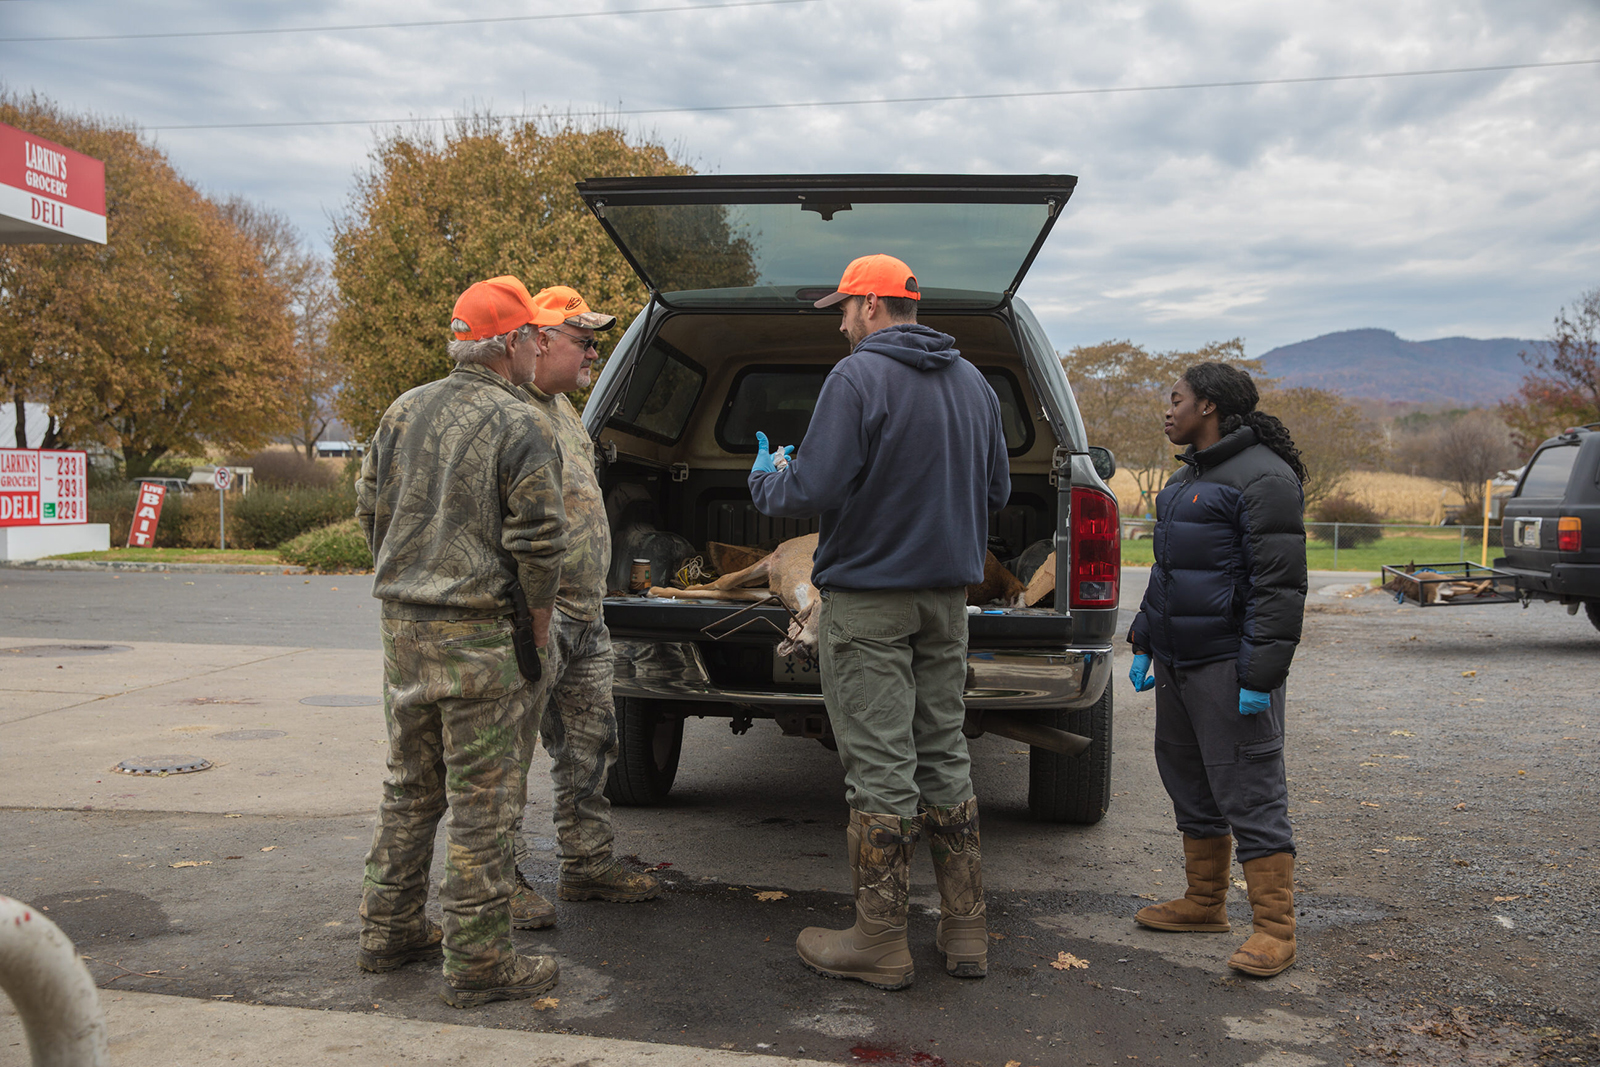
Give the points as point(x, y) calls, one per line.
point(1550, 530)
point(1439, 585)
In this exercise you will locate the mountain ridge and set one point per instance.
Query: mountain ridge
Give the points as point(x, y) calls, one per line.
point(1378, 364)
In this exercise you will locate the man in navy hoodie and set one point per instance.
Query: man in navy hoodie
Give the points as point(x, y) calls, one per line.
point(904, 460)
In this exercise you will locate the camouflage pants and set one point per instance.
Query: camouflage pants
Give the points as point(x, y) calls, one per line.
point(577, 722)
point(454, 704)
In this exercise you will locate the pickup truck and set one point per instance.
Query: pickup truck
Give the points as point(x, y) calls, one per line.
point(729, 344)
point(1551, 525)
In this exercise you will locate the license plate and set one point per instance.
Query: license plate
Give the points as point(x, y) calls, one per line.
point(1525, 532)
point(795, 670)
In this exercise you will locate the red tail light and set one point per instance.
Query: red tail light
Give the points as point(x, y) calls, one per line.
point(1569, 535)
point(1096, 550)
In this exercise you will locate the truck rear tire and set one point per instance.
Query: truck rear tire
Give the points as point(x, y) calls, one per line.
point(1074, 789)
point(1591, 608)
point(649, 742)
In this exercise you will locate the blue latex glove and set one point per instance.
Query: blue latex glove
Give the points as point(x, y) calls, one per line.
point(1139, 673)
point(765, 460)
point(1252, 702)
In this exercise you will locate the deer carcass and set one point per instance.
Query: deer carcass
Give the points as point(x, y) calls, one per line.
point(787, 572)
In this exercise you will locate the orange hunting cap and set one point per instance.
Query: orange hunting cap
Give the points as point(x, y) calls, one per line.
point(494, 307)
point(567, 306)
point(880, 275)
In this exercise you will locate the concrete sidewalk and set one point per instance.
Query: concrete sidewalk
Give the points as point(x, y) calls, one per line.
point(149, 1028)
point(289, 731)
point(71, 711)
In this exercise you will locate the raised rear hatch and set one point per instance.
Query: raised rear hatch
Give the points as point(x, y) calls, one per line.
point(766, 241)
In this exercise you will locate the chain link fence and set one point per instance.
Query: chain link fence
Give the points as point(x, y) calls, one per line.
point(1443, 544)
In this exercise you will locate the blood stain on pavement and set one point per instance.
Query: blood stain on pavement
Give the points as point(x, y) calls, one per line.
point(881, 1054)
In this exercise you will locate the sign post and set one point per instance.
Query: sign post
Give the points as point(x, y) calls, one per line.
point(142, 531)
point(222, 478)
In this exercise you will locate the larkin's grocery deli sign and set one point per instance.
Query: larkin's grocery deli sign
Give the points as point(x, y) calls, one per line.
point(49, 194)
point(39, 487)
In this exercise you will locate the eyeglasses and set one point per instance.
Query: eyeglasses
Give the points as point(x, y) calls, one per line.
point(583, 342)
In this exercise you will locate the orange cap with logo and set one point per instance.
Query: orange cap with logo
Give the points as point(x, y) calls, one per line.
point(879, 275)
point(567, 306)
point(494, 307)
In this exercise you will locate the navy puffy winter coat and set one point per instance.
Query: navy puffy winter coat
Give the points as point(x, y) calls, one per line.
point(1229, 580)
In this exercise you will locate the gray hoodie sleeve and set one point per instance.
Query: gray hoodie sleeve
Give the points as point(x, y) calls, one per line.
point(835, 451)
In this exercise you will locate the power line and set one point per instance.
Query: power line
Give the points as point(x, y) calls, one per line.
point(403, 25)
point(1034, 94)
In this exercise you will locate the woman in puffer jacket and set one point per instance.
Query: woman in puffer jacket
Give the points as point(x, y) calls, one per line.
point(1219, 623)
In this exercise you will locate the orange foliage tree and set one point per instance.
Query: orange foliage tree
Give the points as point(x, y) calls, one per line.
point(1123, 390)
point(168, 338)
point(433, 215)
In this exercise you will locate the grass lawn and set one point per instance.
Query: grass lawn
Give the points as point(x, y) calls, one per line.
point(1421, 548)
point(262, 557)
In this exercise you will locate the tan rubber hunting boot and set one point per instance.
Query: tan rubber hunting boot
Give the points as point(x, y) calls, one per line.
point(874, 950)
point(958, 868)
point(1271, 949)
point(1204, 908)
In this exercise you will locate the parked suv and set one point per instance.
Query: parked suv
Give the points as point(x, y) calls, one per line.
point(171, 485)
point(730, 344)
point(1551, 526)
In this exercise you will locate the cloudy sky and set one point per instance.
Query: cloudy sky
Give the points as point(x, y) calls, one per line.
point(1434, 205)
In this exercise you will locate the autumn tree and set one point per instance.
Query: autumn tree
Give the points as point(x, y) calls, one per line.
point(1472, 450)
point(1331, 435)
point(1564, 387)
point(169, 337)
point(1465, 447)
point(313, 299)
point(433, 215)
point(1123, 390)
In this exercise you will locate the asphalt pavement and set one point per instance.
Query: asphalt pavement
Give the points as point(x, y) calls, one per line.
point(1442, 765)
point(320, 610)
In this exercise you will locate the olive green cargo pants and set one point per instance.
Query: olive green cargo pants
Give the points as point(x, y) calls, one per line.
point(894, 667)
point(454, 702)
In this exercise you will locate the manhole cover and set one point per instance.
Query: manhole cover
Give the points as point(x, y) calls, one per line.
point(57, 651)
point(248, 735)
point(163, 765)
point(341, 700)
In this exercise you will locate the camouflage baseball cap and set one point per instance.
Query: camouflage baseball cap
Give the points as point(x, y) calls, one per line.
point(564, 300)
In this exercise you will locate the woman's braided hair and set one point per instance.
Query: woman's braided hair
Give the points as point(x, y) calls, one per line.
point(1236, 397)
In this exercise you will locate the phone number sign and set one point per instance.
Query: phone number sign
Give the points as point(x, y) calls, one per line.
point(42, 487)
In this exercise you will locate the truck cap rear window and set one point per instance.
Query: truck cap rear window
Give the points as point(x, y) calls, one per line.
point(778, 401)
point(660, 395)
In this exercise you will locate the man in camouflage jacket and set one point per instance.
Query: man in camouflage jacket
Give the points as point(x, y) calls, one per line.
point(574, 713)
point(460, 499)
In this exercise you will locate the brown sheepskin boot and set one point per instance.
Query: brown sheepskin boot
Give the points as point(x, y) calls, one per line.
point(1271, 948)
point(1204, 908)
point(958, 867)
point(874, 950)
